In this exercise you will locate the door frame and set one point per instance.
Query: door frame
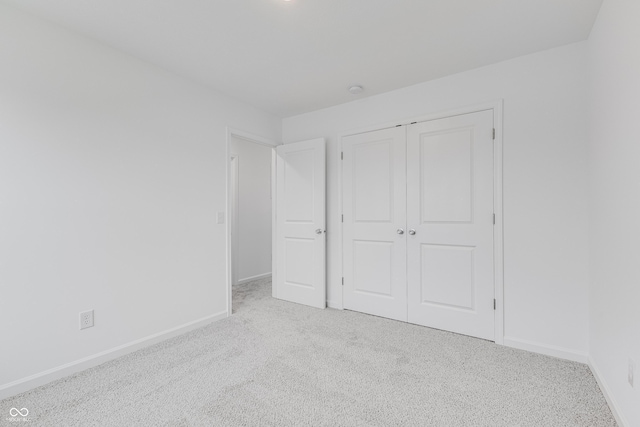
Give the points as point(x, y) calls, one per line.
point(498, 230)
point(247, 136)
point(234, 216)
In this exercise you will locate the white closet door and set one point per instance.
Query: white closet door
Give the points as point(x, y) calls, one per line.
point(300, 223)
point(450, 210)
point(374, 207)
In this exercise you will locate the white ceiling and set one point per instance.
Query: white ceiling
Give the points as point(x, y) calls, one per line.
point(293, 57)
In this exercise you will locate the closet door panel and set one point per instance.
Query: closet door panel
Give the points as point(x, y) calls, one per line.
point(374, 207)
point(450, 221)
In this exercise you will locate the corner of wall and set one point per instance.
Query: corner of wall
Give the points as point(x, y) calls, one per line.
point(608, 395)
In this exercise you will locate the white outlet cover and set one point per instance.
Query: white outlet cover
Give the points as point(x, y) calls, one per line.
point(220, 218)
point(86, 319)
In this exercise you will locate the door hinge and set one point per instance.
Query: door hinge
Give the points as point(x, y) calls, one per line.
point(494, 133)
point(342, 155)
point(343, 281)
point(342, 218)
point(494, 219)
point(494, 303)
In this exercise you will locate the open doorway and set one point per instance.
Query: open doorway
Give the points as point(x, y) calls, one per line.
point(250, 213)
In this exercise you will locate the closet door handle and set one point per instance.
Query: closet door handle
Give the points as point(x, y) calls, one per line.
point(400, 231)
point(412, 232)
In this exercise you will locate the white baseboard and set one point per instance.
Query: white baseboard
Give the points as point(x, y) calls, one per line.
point(607, 394)
point(42, 378)
point(547, 350)
point(252, 278)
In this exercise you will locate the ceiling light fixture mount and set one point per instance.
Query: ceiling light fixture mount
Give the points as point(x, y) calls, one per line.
point(356, 89)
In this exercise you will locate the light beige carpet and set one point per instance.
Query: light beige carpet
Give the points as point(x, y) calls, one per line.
point(275, 363)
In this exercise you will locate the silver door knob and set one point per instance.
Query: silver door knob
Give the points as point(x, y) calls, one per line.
point(412, 232)
point(400, 231)
point(319, 231)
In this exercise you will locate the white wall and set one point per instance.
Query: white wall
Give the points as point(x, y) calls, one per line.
point(111, 174)
point(254, 208)
point(545, 190)
point(615, 202)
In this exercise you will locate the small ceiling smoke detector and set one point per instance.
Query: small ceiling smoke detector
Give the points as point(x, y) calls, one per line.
point(356, 89)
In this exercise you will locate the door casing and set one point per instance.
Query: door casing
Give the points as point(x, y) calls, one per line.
point(233, 216)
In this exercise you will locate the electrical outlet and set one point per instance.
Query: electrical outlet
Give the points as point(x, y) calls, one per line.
point(632, 367)
point(220, 218)
point(86, 319)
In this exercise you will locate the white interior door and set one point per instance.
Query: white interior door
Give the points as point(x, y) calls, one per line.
point(300, 223)
point(374, 207)
point(450, 221)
